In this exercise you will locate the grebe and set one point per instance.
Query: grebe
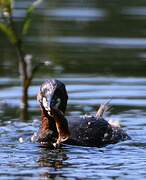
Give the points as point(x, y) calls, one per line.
point(92, 131)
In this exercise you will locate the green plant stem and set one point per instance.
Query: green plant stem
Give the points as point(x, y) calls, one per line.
point(26, 77)
point(23, 68)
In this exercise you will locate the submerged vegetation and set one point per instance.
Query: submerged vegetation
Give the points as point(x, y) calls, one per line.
point(16, 37)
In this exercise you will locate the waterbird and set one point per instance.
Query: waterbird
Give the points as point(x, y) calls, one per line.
point(57, 129)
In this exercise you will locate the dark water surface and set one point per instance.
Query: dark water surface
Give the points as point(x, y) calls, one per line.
point(98, 49)
point(23, 159)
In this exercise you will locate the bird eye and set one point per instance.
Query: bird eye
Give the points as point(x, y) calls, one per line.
point(58, 101)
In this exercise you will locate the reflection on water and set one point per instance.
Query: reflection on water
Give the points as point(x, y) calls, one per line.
point(139, 12)
point(77, 14)
point(19, 154)
point(84, 90)
point(104, 37)
point(99, 52)
point(105, 42)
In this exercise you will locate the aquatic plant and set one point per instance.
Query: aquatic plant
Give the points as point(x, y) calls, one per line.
point(8, 27)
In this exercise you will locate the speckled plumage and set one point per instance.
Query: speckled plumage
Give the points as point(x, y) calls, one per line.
point(83, 131)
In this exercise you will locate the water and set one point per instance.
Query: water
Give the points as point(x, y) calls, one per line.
point(98, 49)
point(19, 154)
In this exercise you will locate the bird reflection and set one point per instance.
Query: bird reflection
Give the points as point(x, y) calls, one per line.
point(54, 160)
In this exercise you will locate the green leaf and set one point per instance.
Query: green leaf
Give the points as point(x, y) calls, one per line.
point(9, 33)
point(27, 20)
point(28, 17)
point(6, 6)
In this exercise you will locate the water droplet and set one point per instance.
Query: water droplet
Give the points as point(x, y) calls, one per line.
point(21, 140)
point(33, 137)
